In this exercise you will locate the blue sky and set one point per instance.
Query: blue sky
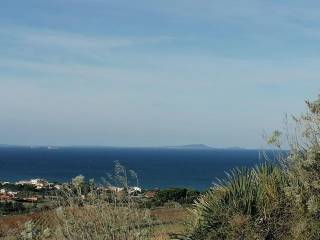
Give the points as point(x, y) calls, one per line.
point(153, 73)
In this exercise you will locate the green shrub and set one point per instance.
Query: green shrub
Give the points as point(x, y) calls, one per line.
point(268, 202)
point(178, 195)
point(248, 204)
point(8, 207)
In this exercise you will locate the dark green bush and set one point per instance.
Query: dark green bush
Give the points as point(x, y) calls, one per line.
point(8, 207)
point(182, 196)
point(268, 202)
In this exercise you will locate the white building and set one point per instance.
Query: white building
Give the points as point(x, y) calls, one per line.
point(134, 190)
point(38, 183)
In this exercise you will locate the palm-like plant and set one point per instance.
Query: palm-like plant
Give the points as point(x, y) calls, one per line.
point(269, 202)
point(242, 206)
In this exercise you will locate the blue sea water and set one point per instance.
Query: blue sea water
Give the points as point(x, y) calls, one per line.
point(156, 167)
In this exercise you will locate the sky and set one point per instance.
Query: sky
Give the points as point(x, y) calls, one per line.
point(154, 73)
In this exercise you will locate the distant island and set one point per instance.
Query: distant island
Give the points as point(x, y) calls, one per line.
point(235, 148)
point(191, 146)
point(202, 146)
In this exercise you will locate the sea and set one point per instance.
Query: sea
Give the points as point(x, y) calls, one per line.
point(155, 167)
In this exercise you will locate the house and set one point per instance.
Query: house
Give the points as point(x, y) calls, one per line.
point(7, 195)
point(115, 189)
point(133, 190)
point(30, 199)
point(57, 186)
point(5, 198)
point(150, 194)
point(37, 183)
point(12, 194)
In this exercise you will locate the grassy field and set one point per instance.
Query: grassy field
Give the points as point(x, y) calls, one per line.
point(169, 221)
point(173, 221)
point(11, 226)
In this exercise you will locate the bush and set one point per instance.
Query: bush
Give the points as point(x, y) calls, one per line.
point(268, 202)
point(8, 207)
point(179, 195)
point(248, 204)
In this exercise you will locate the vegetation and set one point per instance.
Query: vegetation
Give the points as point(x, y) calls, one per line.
point(270, 201)
point(181, 196)
point(8, 207)
point(93, 217)
point(87, 213)
point(20, 188)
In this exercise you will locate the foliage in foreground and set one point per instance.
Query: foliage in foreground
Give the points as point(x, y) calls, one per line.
point(268, 202)
point(100, 219)
point(84, 212)
point(249, 204)
point(177, 196)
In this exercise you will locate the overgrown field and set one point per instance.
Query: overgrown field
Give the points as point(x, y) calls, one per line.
point(168, 221)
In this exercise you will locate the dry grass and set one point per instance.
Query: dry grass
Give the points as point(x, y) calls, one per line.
point(12, 225)
point(171, 220)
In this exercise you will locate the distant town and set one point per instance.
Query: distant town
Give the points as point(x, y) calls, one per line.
point(21, 190)
point(35, 190)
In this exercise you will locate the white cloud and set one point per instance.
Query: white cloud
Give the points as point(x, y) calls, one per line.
point(50, 38)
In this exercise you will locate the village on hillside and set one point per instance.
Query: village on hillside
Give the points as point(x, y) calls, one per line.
point(40, 186)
